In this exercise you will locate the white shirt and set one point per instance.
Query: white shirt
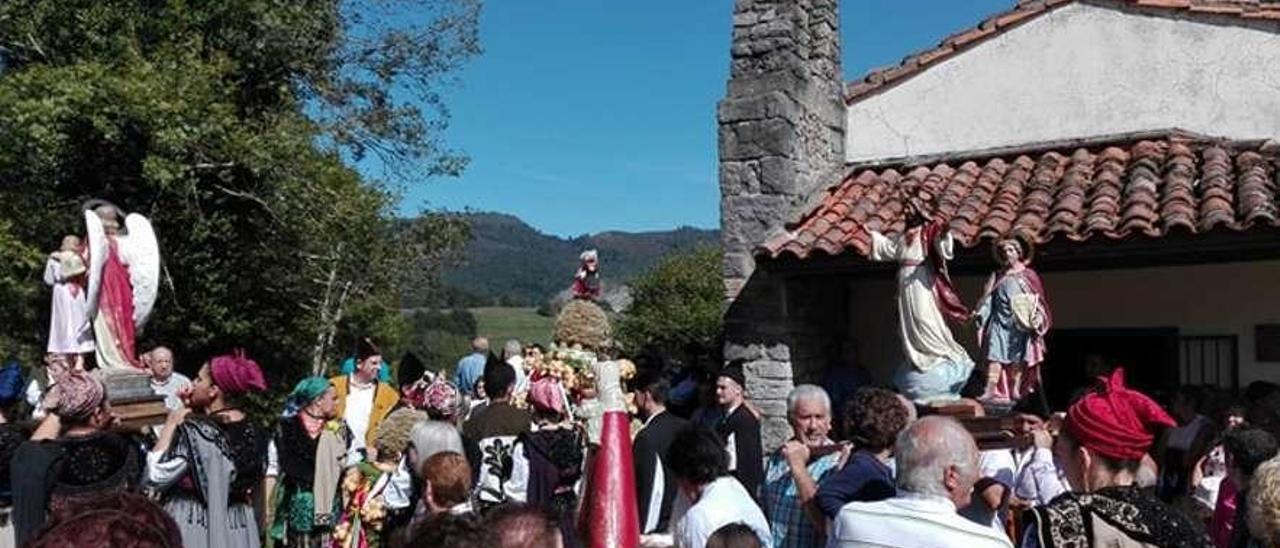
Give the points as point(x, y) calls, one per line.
point(998, 465)
point(170, 388)
point(910, 521)
point(358, 410)
point(522, 380)
point(723, 501)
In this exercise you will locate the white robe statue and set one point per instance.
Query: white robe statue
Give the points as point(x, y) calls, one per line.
point(68, 329)
point(936, 366)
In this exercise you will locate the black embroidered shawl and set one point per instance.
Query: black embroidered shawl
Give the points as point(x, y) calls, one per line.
point(1068, 521)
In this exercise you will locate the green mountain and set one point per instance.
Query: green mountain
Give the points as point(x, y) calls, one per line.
point(509, 263)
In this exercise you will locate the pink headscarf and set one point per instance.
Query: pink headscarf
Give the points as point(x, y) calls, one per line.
point(441, 399)
point(545, 394)
point(237, 374)
point(76, 396)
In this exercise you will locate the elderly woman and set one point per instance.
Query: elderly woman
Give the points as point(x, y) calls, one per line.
point(306, 457)
point(71, 456)
point(210, 465)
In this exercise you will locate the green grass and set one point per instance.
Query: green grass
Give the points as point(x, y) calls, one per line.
point(523, 324)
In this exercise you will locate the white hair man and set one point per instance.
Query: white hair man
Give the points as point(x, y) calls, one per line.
point(164, 380)
point(937, 465)
point(792, 476)
point(513, 354)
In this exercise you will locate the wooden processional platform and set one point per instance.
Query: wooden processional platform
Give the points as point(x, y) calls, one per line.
point(992, 429)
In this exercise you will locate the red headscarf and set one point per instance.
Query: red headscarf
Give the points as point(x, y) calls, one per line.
point(1115, 421)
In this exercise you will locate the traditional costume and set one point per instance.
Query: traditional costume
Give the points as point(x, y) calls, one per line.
point(307, 457)
point(1121, 424)
point(554, 453)
point(48, 477)
point(210, 474)
point(363, 407)
point(377, 496)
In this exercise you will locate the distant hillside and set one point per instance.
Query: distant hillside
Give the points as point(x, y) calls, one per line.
point(510, 263)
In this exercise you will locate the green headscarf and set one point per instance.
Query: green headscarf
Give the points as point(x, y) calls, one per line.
point(304, 393)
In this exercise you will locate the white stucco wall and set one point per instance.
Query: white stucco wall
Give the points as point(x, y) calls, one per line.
point(1217, 299)
point(1079, 71)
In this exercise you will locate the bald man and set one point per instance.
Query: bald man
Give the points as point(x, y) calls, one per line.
point(164, 380)
point(937, 465)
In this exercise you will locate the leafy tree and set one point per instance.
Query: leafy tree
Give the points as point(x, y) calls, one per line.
point(440, 338)
point(231, 125)
point(678, 302)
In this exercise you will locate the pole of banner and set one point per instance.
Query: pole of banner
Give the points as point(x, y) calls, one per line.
point(612, 520)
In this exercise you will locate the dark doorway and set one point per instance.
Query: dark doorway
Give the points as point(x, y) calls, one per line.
point(1149, 357)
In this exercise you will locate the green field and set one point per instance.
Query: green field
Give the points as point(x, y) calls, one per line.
point(523, 324)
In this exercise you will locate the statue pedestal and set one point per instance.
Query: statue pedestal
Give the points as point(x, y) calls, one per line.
point(133, 401)
point(989, 431)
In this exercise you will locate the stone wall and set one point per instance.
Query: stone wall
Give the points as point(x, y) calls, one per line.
point(781, 131)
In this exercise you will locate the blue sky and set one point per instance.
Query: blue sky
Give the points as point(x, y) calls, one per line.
point(590, 115)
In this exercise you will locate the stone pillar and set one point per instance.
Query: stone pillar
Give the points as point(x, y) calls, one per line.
point(781, 131)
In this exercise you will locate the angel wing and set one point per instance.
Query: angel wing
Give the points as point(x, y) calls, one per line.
point(97, 257)
point(144, 266)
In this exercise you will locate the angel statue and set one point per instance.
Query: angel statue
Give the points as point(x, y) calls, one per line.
point(1013, 318)
point(936, 366)
point(124, 275)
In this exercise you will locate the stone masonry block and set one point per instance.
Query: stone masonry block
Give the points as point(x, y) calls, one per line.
point(738, 178)
point(758, 107)
point(769, 369)
point(749, 352)
point(766, 389)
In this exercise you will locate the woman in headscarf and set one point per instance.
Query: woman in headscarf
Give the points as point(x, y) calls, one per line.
point(1105, 437)
point(71, 456)
point(306, 457)
point(210, 465)
point(554, 451)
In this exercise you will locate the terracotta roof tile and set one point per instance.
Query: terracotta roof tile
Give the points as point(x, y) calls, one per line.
point(1146, 187)
point(1026, 10)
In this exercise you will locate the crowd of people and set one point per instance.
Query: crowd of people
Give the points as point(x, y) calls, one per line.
point(494, 455)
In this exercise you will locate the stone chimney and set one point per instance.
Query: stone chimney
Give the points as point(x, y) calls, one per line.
point(781, 130)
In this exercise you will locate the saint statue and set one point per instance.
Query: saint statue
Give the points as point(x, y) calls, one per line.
point(1013, 318)
point(124, 275)
point(936, 366)
point(586, 281)
point(64, 271)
